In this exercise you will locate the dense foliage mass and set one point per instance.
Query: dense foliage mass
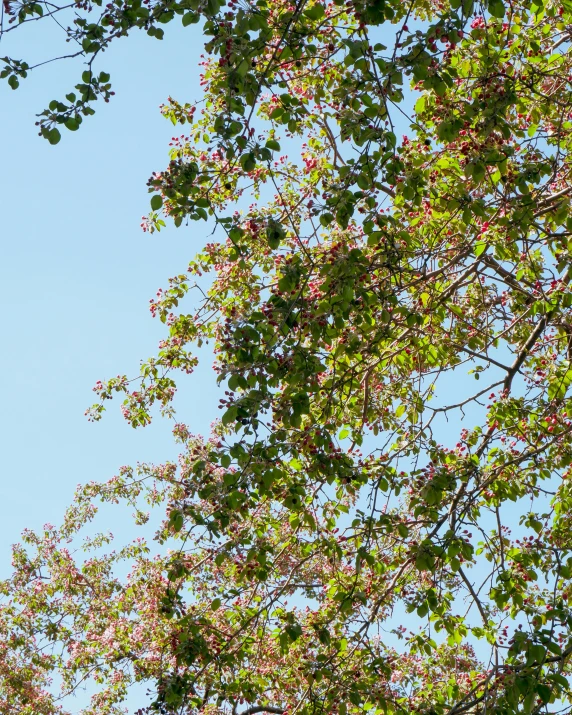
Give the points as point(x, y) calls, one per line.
point(380, 522)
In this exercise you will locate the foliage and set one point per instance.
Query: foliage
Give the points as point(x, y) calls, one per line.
point(380, 521)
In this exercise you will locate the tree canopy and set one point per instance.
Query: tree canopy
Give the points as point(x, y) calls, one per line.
point(380, 521)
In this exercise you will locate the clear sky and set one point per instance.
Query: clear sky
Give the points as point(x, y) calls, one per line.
point(77, 272)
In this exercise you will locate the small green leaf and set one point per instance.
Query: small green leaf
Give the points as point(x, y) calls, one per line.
point(424, 561)
point(176, 520)
point(479, 171)
point(190, 18)
point(53, 136)
point(544, 692)
point(479, 248)
point(72, 124)
point(156, 202)
point(420, 104)
point(496, 8)
point(248, 162)
point(230, 415)
point(315, 12)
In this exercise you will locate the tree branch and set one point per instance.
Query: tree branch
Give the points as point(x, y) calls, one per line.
point(526, 348)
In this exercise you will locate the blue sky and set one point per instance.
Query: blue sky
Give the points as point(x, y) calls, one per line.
point(77, 272)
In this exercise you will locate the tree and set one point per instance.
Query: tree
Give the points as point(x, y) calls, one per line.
point(380, 521)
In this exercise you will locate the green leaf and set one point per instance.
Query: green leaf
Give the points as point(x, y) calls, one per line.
point(274, 233)
point(190, 18)
point(554, 648)
point(424, 561)
point(53, 136)
point(420, 104)
point(480, 248)
point(545, 692)
point(230, 415)
point(72, 124)
point(176, 520)
point(315, 12)
point(248, 162)
point(156, 202)
point(496, 8)
point(479, 171)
